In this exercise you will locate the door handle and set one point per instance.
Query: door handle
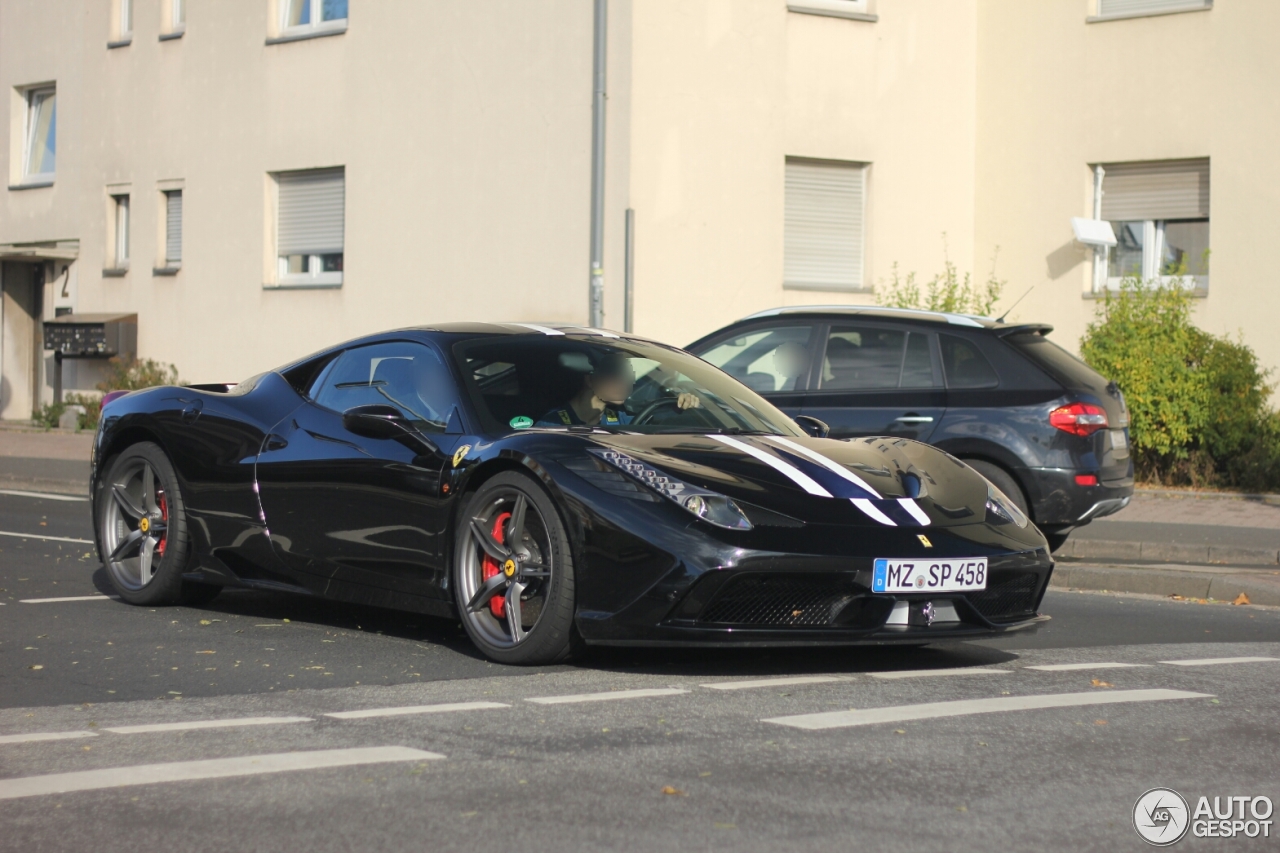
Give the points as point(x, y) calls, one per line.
point(914, 419)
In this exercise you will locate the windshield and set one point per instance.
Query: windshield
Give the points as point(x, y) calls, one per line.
point(625, 386)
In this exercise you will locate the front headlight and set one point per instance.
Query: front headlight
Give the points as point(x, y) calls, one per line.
point(711, 507)
point(1004, 509)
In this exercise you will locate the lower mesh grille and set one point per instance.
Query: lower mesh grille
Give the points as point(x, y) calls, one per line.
point(779, 600)
point(1014, 596)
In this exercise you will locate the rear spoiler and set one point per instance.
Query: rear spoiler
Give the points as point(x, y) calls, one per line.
point(1004, 331)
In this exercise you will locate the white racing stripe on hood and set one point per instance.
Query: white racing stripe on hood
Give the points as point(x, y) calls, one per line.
point(916, 512)
point(788, 470)
point(870, 509)
point(544, 329)
point(825, 463)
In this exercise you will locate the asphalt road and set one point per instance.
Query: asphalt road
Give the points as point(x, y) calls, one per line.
point(124, 728)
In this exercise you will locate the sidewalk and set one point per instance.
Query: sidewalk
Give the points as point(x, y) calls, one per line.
point(1164, 543)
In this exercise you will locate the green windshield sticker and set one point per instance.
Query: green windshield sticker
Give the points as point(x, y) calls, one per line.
point(521, 422)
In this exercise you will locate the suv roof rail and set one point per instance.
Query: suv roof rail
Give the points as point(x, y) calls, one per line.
point(973, 320)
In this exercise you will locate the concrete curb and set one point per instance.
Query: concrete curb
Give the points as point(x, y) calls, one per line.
point(1222, 584)
point(1168, 552)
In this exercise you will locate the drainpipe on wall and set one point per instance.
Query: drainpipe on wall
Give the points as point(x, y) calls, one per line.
point(596, 294)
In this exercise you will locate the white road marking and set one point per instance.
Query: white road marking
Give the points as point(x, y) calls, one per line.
point(965, 707)
point(829, 464)
point(916, 512)
point(606, 696)
point(1071, 667)
point(35, 736)
point(46, 538)
point(773, 682)
point(204, 724)
point(44, 496)
point(873, 511)
point(788, 470)
point(217, 768)
point(928, 673)
point(416, 709)
point(69, 598)
point(1216, 661)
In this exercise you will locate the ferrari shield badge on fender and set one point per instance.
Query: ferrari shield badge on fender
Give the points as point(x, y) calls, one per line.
point(460, 454)
point(924, 540)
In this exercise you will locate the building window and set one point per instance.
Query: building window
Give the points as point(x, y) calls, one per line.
point(1160, 214)
point(120, 228)
point(172, 229)
point(859, 10)
point(40, 156)
point(121, 23)
point(175, 23)
point(1109, 9)
point(304, 16)
point(309, 227)
point(823, 231)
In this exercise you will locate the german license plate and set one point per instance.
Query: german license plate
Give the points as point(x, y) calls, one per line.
point(1119, 440)
point(956, 575)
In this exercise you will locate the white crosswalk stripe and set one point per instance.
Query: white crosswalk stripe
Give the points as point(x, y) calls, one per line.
point(192, 725)
point(773, 682)
point(1217, 661)
point(416, 709)
point(930, 673)
point(607, 696)
point(1072, 667)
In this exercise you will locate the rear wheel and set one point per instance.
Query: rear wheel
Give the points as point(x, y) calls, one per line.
point(513, 573)
point(141, 526)
point(1002, 480)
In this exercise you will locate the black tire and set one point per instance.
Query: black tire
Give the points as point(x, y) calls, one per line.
point(1002, 480)
point(139, 499)
point(1055, 540)
point(539, 575)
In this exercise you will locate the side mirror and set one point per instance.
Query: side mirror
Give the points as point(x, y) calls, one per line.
point(813, 426)
point(376, 421)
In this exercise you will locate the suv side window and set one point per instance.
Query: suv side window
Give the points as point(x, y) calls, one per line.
point(409, 376)
point(864, 358)
point(767, 359)
point(964, 365)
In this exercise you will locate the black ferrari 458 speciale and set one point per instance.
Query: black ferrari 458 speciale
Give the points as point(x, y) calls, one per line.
point(551, 487)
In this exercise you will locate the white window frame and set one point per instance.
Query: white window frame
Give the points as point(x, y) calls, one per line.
point(1167, 7)
point(29, 146)
point(1152, 252)
point(858, 10)
point(314, 276)
point(120, 229)
point(316, 26)
point(125, 21)
point(175, 23)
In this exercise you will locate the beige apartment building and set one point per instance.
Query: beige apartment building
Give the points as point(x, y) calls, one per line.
point(256, 179)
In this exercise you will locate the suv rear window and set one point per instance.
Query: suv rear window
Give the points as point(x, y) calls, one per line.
point(1058, 363)
point(964, 365)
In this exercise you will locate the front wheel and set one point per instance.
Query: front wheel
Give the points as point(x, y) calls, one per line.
point(513, 573)
point(141, 526)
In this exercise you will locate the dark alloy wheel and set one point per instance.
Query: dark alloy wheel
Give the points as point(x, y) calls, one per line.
point(513, 573)
point(141, 527)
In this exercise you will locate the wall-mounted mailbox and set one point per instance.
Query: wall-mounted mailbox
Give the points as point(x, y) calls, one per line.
point(88, 336)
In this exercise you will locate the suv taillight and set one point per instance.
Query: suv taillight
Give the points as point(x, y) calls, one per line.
point(1079, 418)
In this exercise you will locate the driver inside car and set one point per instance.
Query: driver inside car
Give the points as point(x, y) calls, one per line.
point(605, 388)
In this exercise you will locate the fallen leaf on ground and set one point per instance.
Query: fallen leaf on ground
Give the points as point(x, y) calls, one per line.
point(1241, 599)
point(673, 792)
point(1099, 722)
point(206, 652)
point(36, 666)
point(1098, 682)
point(1177, 597)
point(205, 622)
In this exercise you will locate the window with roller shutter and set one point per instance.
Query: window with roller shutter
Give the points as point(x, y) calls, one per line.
point(1159, 211)
point(310, 224)
point(823, 228)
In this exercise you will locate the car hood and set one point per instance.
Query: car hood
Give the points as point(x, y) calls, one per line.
point(877, 481)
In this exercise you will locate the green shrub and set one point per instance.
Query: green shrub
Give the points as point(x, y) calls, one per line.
point(947, 291)
point(123, 374)
point(1197, 402)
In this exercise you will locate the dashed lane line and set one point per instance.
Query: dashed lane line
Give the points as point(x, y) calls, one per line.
point(965, 707)
point(929, 673)
point(38, 736)
point(416, 709)
point(773, 682)
point(606, 696)
point(1217, 661)
point(44, 496)
point(69, 598)
point(205, 724)
point(46, 538)
point(1072, 667)
point(216, 768)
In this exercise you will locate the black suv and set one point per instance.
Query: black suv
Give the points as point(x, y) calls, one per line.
point(1040, 424)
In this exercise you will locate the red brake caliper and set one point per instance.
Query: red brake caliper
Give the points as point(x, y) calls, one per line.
point(164, 515)
point(490, 566)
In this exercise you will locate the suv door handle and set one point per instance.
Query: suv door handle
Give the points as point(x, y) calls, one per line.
point(914, 419)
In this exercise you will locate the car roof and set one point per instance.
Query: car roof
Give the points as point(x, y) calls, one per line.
point(976, 321)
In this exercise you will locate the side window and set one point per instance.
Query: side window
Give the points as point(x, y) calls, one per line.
point(861, 358)
point(411, 377)
point(917, 367)
point(766, 360)
point(964, 366)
